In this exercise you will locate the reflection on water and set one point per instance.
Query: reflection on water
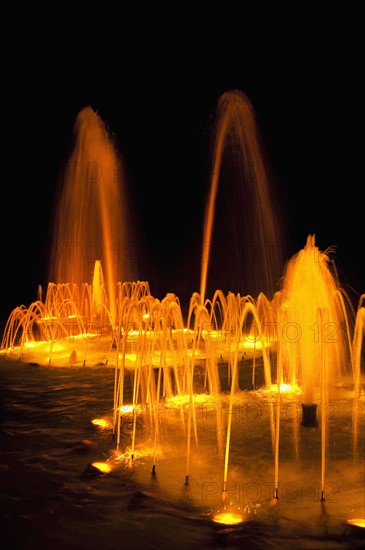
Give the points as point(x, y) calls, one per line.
point(51, 497)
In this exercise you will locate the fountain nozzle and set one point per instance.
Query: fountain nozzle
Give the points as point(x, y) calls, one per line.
point(309, 418)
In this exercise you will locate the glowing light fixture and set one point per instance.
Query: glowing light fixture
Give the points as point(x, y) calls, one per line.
point(357, 522)
point(103, 467)
point(228, 518)
point(100, 422)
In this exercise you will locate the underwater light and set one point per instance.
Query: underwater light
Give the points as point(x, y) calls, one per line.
point(100, 422)
point(228, 518)
point(357, 522)
point(103, 467)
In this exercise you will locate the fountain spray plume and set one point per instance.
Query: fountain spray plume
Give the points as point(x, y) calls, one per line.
point(317, 318)
point(253, 236)
point(89, 224)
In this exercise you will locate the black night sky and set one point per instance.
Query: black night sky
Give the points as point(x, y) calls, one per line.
point(157, 91)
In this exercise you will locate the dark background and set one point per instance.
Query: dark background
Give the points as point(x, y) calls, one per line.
point(155, 83)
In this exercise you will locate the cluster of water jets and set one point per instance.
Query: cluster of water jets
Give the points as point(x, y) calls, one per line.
point(306, 333)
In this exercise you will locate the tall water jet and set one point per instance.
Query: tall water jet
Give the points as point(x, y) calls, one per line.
point(253, 237)
point(89, 223)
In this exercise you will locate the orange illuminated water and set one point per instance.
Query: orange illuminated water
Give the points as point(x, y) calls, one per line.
point(300, 340)
point(255, 232)
point(316, 321)
point(89, 223)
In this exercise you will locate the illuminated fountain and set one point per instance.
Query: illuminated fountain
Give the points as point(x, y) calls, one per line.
point(88, 227)
point(181, 383)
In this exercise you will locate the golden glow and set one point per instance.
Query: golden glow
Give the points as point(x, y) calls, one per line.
point(357, 522)
point(248, 341)
point(102, 466)
point(184, 399)
point(252, 342)
point(213, 334)
point(100, 422)
point(126, 409)
point(135, 335)
point(286, 388)
point(47, 318)
point(57, 346)
point(183, 331)
point(126, 456)
point(85, 336)
point(311, 307)
point(129, 409)
point(228, 518)
point(31, 344)
point(129, 358)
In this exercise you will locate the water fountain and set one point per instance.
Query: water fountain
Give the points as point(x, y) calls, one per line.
point(190, 393)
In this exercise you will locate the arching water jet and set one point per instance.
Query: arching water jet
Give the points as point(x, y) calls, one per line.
point(253, 236)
